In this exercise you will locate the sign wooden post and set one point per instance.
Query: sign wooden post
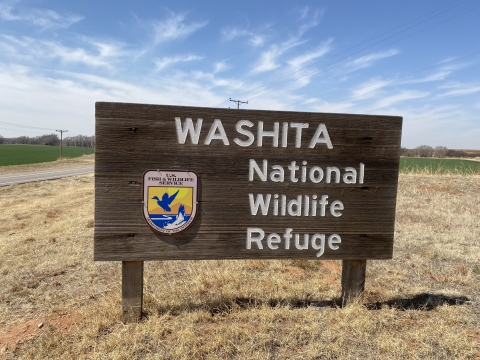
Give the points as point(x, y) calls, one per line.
point(132, 290)
point(353, 280)
point(178, 183)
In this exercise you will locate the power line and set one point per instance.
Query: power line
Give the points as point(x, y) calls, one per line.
point(341, 52)
point(346, 62)
point(25, 126)
point(399, 77)
point(22, 131)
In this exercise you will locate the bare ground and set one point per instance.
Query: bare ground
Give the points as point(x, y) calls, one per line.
point(424, 303)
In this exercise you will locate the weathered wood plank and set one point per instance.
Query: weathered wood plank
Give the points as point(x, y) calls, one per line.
point(132, 290)
point(233, 246)
point(353, 280)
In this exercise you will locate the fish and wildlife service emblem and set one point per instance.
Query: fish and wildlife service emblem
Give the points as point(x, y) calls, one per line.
point(170, 199)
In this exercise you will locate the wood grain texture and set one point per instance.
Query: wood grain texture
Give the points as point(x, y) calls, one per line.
point(353, 280)
point(132, 290)
point(133, 138)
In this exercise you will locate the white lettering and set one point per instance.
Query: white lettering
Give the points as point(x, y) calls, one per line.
point(277, 174)
point(350, 176)
point(239, 127)
point(334, 169)
point(320, 247)
point(188, 129)
point(316, 241)
point(254, 166)
point(298, 137)
point(273, 134)
point(362, 173)
point(298, 204)
point(335, 207)
point(334, 239)
point(212, 134)
point(305, 242)
point(287, 236)
point(273, 239)
point(260, 202)
point(325, 139)
point(293, 168)
point(257, 239)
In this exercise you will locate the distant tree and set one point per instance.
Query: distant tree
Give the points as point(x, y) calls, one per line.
point(424, 151)
point(440, 151)
point(79, 141)
point(51, 139)
point(456, 153)
point(22, 140)
point(408, 152)
point(2, 140)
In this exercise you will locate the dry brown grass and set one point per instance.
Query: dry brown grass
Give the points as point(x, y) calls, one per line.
point(422, 304)
point(59, 164)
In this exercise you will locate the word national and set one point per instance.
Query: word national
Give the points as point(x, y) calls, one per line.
point(277, 135)
point(315, 174)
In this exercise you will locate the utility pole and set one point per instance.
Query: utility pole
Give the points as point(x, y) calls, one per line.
point(238, 102)
point(61, 140)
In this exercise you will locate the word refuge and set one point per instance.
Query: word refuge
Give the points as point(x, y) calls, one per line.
point(277, 134)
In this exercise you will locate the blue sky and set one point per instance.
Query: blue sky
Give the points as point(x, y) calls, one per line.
point(408, 58)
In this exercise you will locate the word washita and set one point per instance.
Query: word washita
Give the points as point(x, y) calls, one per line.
point(278, 134)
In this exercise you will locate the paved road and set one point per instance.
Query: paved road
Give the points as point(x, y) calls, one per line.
point(25, 177)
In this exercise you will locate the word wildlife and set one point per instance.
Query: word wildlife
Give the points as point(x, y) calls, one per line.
point(301, 205)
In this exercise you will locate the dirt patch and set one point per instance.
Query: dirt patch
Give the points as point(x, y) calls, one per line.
point(29, 329)
point(333, 270)
point(332, 266)
point(294, 270)
point(440, 189)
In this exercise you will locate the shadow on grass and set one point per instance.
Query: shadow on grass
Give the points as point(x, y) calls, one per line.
point(422, 302)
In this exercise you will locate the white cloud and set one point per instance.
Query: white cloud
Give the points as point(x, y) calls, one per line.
point(304, 59)
point(220, 66)
point(211, 81)
point(268, 58)
point(229, 34)
point(44, 18)
point(299, 72)
point(439, 75)
point(316, 18)
point(174, 28)
point(369, 60)
point(339, 107)
point(402, 96)
point(255, 39)
point(303, 12)
point(163, 63)
point(26, 48)
point(369, 89)
point(457, 89)
point(68, 100)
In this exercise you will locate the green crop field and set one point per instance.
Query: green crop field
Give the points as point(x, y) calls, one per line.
point(439, 166)
point(32, 154)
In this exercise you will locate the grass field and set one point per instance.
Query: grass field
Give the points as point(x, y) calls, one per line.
point(422, 304)
point(439, 166)
point(32, 154)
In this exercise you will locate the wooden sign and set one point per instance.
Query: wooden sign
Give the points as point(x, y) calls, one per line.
point(271, 184)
